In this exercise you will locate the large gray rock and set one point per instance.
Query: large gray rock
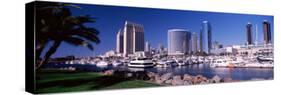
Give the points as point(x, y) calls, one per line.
point(198, 79)
point(169, 81)
point(177, 80)
point(166, 76)
point(151, 76)
point(187, 77)
point(216, 79)
point(158, 79)
point(177, 77)
point(204, 82)
point(187, 83)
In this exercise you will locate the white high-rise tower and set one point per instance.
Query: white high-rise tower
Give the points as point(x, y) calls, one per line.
point(133, 38)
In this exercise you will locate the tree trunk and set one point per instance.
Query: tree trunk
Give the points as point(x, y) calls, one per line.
point(39, 51)
point(49, 53)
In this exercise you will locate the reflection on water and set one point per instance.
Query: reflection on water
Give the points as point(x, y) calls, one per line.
point(202, 69)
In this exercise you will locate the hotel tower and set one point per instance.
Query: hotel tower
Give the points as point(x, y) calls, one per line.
point(133, 38)
point(178, 41)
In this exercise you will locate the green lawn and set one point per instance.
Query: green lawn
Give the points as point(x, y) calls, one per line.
point(51, 82)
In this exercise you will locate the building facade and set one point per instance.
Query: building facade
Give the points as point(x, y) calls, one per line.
point(249, 31)
point(194, 42)
point(133, 38)
point(266, 32)
point(120, 41)
point(147, 47)
point(217, 45)
point(206, 37)
point(178, 41)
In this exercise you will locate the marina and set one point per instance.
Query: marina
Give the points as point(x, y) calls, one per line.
point(210, 67)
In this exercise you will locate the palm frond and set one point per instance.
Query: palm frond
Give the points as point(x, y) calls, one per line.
point(85, 19)
point(90, 34)
point(78, 42)
point(71, 5)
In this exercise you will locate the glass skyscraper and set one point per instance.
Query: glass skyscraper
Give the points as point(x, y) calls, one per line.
point(147, 47)
point(194, 42)
point(206, 37)
point(249, 30)
point(178, 41)
point(266, 32)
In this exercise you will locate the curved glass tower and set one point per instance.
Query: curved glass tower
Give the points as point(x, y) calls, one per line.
point(178, 41)
point(206, 37)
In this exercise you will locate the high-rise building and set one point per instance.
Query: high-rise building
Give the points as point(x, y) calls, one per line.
point(133, 38)
point(206, 37)
point(266, 32)
point(160, 48)
point(147, 47)
point(178, 41)
point(194, 41)
point(119, 41)
point(249, 31)
point(216, 45)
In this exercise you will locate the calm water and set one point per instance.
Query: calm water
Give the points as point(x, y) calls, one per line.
point(202, 69)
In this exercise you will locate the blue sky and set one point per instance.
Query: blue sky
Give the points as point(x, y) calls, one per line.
point(227, 28)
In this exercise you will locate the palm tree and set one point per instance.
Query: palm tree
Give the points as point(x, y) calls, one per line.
point(55, 24)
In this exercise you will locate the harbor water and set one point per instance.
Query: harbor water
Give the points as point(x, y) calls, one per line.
point(195, 69)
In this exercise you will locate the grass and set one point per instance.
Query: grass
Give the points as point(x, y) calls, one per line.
point(54, 81)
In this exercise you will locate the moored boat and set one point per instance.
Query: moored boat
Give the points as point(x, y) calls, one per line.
point(141, 63)
point(102, 64)
point(163, 64)
point(117, 63)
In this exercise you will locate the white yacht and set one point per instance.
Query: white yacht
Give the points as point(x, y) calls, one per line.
point(141, 63)
point(117, 63)
point(201, 59)
point(69, 62)
point(102, 64)
point(229, 62)
point(163, 64)
point(180, 62)
point(260, 65)
point(92, 63)
point(265, 58)
point(188, 61)
point(219, 63)
point(194, 61)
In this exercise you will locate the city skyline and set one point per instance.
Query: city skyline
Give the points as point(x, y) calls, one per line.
point(227, 29)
